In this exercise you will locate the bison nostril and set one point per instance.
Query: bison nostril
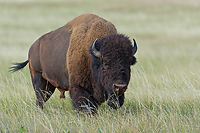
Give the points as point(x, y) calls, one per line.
point(119, 88)
point(124, 88)
point(116, 88)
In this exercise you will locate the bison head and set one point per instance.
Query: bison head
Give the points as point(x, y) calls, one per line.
point(112, 57)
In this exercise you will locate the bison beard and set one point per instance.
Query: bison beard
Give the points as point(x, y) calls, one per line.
point(86, 57)
point(115, 101)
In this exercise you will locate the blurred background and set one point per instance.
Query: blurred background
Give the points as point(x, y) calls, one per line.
point(167, 31)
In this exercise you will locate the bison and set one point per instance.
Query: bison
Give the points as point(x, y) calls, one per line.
point(86, 57)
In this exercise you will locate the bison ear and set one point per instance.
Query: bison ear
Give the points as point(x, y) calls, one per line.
point(133, 61)
point(135, 47)
point(95, 51)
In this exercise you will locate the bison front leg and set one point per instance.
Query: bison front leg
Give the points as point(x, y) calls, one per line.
point(83, 100)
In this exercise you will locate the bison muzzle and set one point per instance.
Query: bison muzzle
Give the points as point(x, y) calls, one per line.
point(86, 57)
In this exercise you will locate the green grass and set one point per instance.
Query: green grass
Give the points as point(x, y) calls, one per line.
point(164, 91)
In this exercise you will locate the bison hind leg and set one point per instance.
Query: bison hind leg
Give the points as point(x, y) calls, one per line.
point(43, 88)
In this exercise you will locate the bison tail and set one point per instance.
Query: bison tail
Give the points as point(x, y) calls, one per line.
point(17, 66)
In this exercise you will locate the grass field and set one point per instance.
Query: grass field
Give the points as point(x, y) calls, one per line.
point(164, 91)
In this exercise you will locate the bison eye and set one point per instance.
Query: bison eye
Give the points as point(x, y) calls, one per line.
point(105, 66)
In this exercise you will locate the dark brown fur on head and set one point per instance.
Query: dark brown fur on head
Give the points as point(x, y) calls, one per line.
point(114, 64)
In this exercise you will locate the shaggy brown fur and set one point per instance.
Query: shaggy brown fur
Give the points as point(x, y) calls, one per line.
point(84, 30)
point(63, 59)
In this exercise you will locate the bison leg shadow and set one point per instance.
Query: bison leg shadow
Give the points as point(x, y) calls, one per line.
point(83, 101)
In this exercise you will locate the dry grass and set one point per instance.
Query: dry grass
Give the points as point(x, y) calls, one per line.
point(163, 94)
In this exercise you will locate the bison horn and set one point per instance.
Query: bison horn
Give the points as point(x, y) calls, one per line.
point(135, 47)
point(95, 51)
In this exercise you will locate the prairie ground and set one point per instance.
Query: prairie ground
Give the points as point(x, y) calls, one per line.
point(164, 91)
